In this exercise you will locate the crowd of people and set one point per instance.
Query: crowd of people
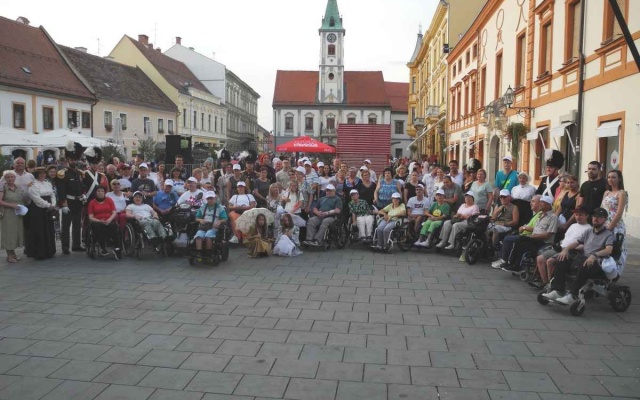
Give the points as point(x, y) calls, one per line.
point(305, 198)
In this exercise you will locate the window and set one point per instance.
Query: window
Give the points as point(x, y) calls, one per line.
point(542, 143)
point(466, 100)
point(459, 105)
point(184, 117)
point(331, 123)
point(308, 124)
point(474, 51)
point(331, 50)
point(373, 120)
point(288, 123)
point(147, 125)
point(467, 58)
point(572, 39)
point(86, 120)
point(460, 65)
point(521, 59)
point(47, 118)
point(399, 127)
point(123, 121)
point(498, 75)
point(483, 86)
point(195, 120)
point(160, 125)
point(544, 66)
point(398, 152)
point(612, 29)
point(170, 126)
point(454, 114)
point(222, 124)
point(413, 84)
point(209, 122)
point(72, 119)
point(455, 69)
point(215, 124)
point(108, 119)
point(351, 120)
point(202, 121)
point(19, 119)
point(474, 87)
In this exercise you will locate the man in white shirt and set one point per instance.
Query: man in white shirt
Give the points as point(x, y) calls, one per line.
point(417, 206)
point(429, 180)
point(455, 174)
point(23, 178)
point(191, 195)
point(367, 163)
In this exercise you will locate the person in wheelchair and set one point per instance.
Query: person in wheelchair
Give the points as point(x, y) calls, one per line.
point(165, 199)
point(435, 216)
point(458, 224)
point(547, 260)
point(417, 206)
point(148, 220)
point(505, 218)
point(390, 215)
point(102, 217)
point(324, 214)
point(533, 236)
point(361, 216)
point(598, 245)
point(210, 217)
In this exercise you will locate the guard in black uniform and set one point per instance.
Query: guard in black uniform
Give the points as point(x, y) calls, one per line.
point(91, 179)
point(550, 182)
point(70, 198)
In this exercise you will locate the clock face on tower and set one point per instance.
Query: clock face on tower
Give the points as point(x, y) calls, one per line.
point(331, 38)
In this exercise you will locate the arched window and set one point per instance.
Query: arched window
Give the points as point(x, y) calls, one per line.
point(332, 22)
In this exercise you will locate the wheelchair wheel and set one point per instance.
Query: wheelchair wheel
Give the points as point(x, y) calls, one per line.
point(524, 275)
point(129, 240)
point(541, 299)
point(404, 239)
point(577, 308)
point(472, 252)
point(341, 238)
point(620, 299)
point(224, 251)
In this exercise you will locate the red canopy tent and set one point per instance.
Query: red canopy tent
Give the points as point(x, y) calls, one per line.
point(305, 144)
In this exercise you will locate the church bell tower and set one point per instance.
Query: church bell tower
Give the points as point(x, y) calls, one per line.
point(331, 79)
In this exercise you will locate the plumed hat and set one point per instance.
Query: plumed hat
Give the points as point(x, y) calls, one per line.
point(73, 150)
point(93, 155)
point(252, 157)
point(473, 165)
point(224, 155)
point(554, 159)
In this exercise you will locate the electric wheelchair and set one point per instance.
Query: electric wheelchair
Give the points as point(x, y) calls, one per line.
point(135, 239)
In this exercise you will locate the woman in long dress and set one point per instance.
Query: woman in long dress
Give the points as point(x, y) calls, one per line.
point(11, 196)
point(288, 238)
point(615, 201)
point(257, 240)
point(42, 212)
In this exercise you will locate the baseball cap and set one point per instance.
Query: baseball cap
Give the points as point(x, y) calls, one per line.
point(505, 192)
point(210, 194)
point(523, 174)
point(367, 161)
point(330, 187)
point(580, 209)
point(143, 165)
point(396, 195)
point(307, 162)
point(600, 212)
point(192, 179)
point(303, 159)
point(301, 170)
point(320, 164)
point(547, 199)
point(440, 191)
point(237, 166)
point(419, 186)
point(507, 158)
point(353, 191)
point(276, 159)
point(241, 183)
point(137, 193)
point(168, 182)
point(363, 168)
point(470, 193)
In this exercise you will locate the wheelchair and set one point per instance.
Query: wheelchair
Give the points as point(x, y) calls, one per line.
point(93, 247)
point(220, 250)
point(134, 239)
point(433, 240)
point(337, 234)
point(401, 235)
point(619, 296)
point(473, 241)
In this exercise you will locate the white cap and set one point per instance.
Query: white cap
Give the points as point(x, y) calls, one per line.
point(505, 192)
point(143, 165)
point(547, 199)
point(440, 191)
point(168, 182)
point(210, 194)
point(353, 191)
point(307, 162)
point(396, 195)
point(367, 161)
point(301, 169)
point(363, 168)
point(304, 159)
point(507, 158)
point(320, 164)
point(241, 183)
point(192, 179)
point(275, 160)
point(330, 187)
point(137, 192)
point(237, 166)
point(470, 193)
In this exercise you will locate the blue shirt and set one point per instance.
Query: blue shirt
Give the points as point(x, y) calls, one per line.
point(508, 182)
point(164, 200)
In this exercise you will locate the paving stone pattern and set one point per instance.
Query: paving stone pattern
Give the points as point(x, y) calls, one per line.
point(346, 325)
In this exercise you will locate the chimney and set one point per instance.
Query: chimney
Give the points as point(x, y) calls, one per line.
point(23, 20)
point(178, 40)
point(191, 48)
point(144, 39)
point(82, 49)
point(158, 50)
point(150, 46)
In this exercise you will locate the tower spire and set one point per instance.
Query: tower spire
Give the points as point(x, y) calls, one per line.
point(332, 19)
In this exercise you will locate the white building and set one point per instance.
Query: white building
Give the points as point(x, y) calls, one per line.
point(398, 94)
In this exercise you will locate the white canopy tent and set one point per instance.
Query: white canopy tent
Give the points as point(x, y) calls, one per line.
point(57, 138)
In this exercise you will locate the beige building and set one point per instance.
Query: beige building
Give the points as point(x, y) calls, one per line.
point(428, 84)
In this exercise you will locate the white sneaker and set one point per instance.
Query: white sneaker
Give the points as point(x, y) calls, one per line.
point(497, 264)
point(234, 240)
point(419, 243)
point(450, 247)
point(568, 299)
point(441, 244)
point(553, 295)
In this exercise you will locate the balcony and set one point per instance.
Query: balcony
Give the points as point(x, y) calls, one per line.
point(418, 123)
point(329, 133)
point(432, 112)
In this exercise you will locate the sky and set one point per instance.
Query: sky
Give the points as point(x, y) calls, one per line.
point(253, 38)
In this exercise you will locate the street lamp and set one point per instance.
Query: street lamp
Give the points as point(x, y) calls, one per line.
point(508, 99)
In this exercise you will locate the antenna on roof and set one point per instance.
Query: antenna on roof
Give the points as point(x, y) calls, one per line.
point(98, 39)
point(155, 33)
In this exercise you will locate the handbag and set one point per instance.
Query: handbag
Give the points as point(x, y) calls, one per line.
point(205, 226)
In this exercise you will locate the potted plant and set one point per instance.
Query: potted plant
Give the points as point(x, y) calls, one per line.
point(108, 127)
point(514, 132)
point(413, 149)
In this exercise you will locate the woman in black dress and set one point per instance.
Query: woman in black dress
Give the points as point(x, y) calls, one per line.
point(42, 214)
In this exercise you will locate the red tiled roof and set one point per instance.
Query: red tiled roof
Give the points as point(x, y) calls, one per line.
point(27, 46)
point(398, 95)
point(362, 88)
point(174, 71)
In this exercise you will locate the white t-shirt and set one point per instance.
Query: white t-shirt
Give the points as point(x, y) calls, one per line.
point(142, 210)
point(119, 201)
point(325, 181)
point(575, 232)
point(459, 179)
point(178, 187)
point(241, 199)
point(523, 192)
point(416, 206)
point(190, 197)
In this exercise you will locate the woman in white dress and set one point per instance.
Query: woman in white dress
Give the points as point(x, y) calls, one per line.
point(287, 241)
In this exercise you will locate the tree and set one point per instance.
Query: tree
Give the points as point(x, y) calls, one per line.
point(110, 151)
point(147, 148)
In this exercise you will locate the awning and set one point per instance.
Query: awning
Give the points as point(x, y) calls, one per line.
point(533, 135)
point(558, 131)
point(609, 129)
point(425, 131)
point(472, 144)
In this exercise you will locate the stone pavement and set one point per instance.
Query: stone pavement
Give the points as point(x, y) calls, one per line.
point(346, 325)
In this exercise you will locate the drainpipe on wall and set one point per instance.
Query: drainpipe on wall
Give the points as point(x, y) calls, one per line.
point(581, 66)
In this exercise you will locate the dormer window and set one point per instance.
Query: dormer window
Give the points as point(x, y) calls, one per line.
point(331, 50)
point(332, 22)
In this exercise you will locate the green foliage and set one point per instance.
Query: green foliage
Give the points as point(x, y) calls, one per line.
point(516, 131)
point(147, 148)
point(108, 152)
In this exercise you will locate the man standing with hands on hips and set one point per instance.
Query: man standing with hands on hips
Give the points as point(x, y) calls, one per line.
point(70, 198)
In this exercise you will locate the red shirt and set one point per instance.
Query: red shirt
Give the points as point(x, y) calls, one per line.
point(101, 210)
